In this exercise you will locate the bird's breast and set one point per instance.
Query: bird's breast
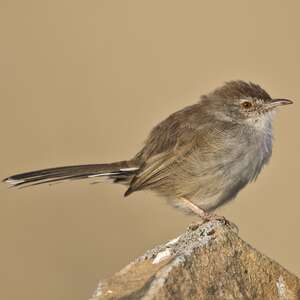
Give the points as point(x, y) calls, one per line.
point(228, 168)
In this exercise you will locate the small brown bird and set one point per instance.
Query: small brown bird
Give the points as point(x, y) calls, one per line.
point(198, 158)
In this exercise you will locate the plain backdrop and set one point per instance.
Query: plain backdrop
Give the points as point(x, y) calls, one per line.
point(84, 82)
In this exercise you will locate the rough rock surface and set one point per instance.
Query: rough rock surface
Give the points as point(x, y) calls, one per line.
point(206, 262)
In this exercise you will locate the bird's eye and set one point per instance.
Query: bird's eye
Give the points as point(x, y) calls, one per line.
point(247, 104)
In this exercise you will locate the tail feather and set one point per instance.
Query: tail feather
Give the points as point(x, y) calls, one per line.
point(118, 171)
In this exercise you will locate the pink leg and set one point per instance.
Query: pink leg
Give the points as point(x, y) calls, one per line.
point(195, 209)
point(205, 216)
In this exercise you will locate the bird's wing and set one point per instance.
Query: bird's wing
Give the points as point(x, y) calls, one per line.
point(176, 130)
point(167, 145)
point(157, 168)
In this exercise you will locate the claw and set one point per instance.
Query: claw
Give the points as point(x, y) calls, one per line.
point(211, 217)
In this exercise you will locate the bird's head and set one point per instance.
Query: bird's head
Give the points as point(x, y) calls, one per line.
point(242, 102)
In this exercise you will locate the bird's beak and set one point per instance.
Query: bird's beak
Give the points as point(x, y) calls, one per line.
point(279, 102)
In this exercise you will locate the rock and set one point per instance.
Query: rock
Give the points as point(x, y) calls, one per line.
point(206, 262)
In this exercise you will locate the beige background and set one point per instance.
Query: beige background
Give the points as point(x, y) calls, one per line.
point(84, 82)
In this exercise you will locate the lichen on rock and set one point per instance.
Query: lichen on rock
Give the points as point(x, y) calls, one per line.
point(206, 262)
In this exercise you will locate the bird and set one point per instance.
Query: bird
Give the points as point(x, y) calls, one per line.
point(198, 158)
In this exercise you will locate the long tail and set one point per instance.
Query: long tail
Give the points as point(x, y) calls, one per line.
point(118, 172)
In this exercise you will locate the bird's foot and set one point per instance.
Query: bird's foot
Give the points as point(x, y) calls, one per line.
point(206, 217)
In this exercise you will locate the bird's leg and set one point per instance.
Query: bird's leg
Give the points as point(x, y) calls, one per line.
point(196, 209)
point(206, 216)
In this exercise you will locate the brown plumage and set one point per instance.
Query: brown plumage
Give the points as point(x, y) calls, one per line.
point(198, 158)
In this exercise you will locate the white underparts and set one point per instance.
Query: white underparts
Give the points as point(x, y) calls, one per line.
point(262, 122)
